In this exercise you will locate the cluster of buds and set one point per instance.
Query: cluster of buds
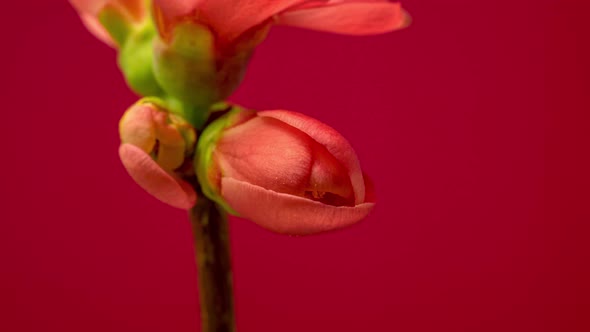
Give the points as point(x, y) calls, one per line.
point(283, 170)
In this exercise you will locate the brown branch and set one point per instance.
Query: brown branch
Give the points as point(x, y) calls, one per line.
point(213, 257)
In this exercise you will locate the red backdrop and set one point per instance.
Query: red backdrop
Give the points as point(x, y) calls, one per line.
point(470, 122)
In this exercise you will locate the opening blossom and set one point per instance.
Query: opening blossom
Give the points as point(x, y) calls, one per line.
point(285, 171)
point(228, 19)
point(197, 51)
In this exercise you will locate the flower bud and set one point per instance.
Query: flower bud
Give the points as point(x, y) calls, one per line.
point(285, 171)
point(154, 146)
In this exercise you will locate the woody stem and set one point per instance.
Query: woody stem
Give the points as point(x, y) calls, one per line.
point(210, 229)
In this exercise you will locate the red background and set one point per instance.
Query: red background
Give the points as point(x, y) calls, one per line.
point(472, 123)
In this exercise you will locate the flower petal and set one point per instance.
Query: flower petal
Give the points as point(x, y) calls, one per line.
point(287, 214)
point(91, 7)
point(348, 17)
point(177, 8)
point(137, 126)
point(230, 18)
point(335, 143)
point(267, 152)
point(153, 179)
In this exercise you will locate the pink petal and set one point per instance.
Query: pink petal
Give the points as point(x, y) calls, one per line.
point(348, 17)
point(91, 7)
point(153, 179)
point(138, 127)
point(287, 214)
point(267, 152)
point(230, 18)
point(337, 145)
point(177, 8)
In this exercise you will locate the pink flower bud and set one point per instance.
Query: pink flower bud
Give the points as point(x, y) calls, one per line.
point(154, 145)
point(285, 171)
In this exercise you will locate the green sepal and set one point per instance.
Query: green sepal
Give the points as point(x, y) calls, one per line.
point(136, 61)
point(116, 24)
point(185, 68)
